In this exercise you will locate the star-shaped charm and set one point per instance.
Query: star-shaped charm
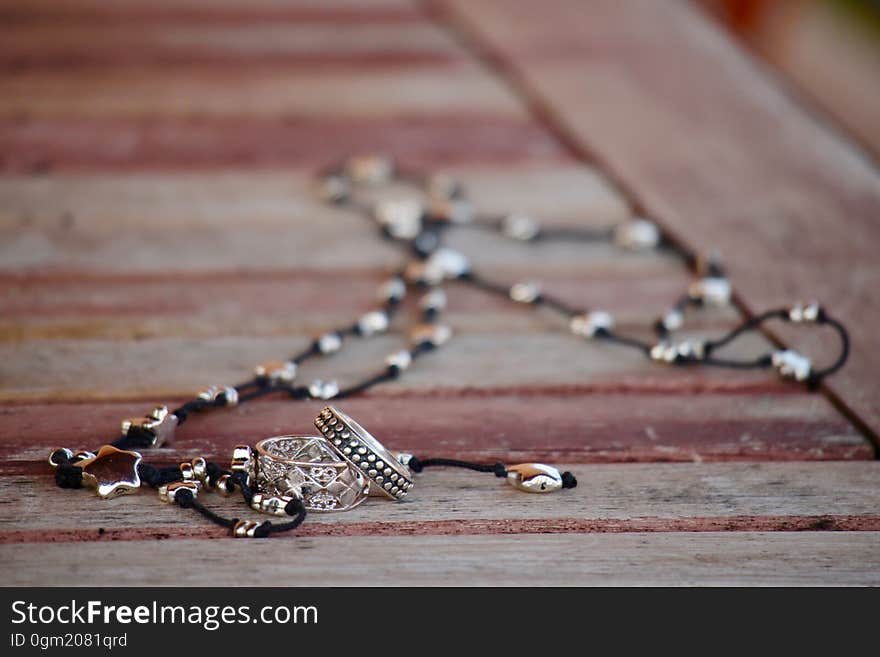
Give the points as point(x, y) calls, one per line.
point(112, 472)
point(158, 426)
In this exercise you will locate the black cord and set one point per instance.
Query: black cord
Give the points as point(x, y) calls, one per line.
point(296, 508)
point(499, 469)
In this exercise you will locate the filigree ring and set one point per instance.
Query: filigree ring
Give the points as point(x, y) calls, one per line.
point(308, 467)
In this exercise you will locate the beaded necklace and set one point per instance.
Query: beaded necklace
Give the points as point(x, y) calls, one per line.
point(288, 476)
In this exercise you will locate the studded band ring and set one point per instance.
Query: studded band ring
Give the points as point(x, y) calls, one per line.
point(308, 467)
point(356, 445)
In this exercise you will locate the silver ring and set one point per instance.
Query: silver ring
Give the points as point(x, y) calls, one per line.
point(308, 467)
point(355, 444)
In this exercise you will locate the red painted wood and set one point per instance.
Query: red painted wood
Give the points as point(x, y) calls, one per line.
point(629, 293)
point(369, 45)
point(42, 145)
point(710, 144)
point(110, 13)
point(570, 428)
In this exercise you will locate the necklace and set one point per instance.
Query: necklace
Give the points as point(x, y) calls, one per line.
point(419, 227)
point(343, 464)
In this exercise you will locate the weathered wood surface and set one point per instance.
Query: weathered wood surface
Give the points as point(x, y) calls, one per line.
point(543, 424)
point(733, 163)
point(634, 559)
point(158, 232)
point(610, 498)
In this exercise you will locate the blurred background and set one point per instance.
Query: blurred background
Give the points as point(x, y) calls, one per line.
point(828, 48)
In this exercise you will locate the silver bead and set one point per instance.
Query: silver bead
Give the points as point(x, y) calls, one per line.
point(792, 365)
point(520, 227)
point(329, 343)
point(447, 263)
point(168, 492)
point(434, 300)
point(638, 234)
point(111, 472)
point(159, 425)
point(373, 322)
point(673, 320)
point(525, 292)
point(187, 472)
point(323, 389)
point(67, 453)
point(404, 458)
point(402, 218)
point(273, 505)
point(276, 371)
point(534, 478)
point(243, 461)
point(334, 189)
point(801, 312)
point(399, 359)
point(712, 290)
point(587, 325)
point(454, 211)
point(213, 393)
point(668, 352)
point(419, 273)
point(394, 289)
point(664, 352)
point(371, 169)
point(222, 486)
point(245, 529)
point(690, 350)
point(200, 469)
point(433, 334)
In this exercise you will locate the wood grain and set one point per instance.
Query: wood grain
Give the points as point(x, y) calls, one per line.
point(550, 425)
point(37, 146)
point(174, 367)
point(269, 92)
point(219, 11)
point(790, 203)
point(608, 498)
point(159, 231)
point(273, 221)
point(306, 45)
point(718, 559)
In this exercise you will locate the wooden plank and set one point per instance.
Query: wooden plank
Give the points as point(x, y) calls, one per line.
point(269, 92)
point(214, 305)
point(757, 559)
point(39, 145)
point(88, 369)
point(609, 498)
point(112, 297)
point(791, 205)
point(65, 46)
point(340, 11)
point(514, 425)
point(274, 221)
